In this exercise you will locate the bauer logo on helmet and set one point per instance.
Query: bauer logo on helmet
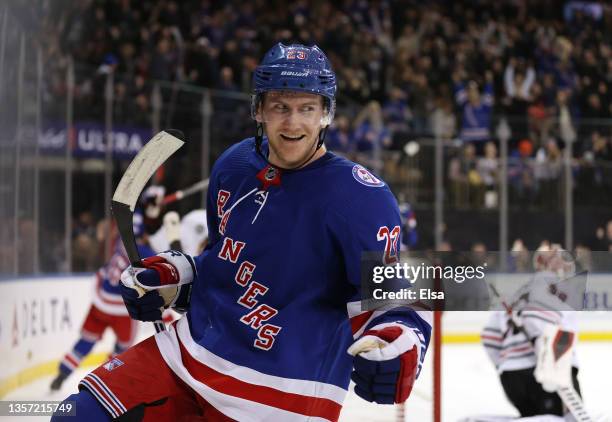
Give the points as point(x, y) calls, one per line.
point(289, 73)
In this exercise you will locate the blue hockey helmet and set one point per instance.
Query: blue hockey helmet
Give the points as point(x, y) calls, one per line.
point(296, 67)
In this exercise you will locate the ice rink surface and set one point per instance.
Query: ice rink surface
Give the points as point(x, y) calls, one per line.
point(469, 386)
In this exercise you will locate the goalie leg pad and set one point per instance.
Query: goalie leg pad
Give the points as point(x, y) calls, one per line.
point(528, 396)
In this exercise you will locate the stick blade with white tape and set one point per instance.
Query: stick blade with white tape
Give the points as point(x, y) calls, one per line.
point(144, 165)
point(131, 185)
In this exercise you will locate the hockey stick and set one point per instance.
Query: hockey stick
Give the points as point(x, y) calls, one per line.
point(180, 194)
point(138, 173)
point(571, 399)
point(568, 394)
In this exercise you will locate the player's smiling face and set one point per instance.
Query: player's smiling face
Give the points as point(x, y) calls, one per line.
point(292, 121)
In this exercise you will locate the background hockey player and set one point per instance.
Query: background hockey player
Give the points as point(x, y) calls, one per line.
point(274, 329)
point(193, 234)
point(519, 340)
point(107, 309)
point(410, 236)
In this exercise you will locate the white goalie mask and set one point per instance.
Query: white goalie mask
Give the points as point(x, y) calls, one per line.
point(555, 259)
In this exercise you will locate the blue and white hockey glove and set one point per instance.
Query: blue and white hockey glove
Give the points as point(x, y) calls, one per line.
point(164, 281)
point(385, 363)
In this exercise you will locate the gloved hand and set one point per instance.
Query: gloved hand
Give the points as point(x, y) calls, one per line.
point(147, 307)
point(164, 281)
point(385, 363)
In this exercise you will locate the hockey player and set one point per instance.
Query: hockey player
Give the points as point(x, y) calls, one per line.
point(410, 236)
point(107, 308)
point(532, 343)
point(274, 329)
point(193, 234)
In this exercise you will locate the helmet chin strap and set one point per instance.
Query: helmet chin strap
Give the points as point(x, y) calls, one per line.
point(259, 142)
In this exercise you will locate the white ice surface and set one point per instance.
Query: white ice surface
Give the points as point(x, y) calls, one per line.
point(470, 387)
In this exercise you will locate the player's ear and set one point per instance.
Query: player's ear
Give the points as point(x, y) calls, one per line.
point(258, 116)
point(328, 114)
point(256, 108)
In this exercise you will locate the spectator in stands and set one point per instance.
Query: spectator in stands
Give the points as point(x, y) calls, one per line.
point(354, 85)
point(565, 75)
point(520, 258)
point(443, 121)
point(163, 60)
point(476, 108)
point(518, 81)
point(521, 174)
point(478, 254)
point(420, 102)
point(466, 183)
point(593, 177)
point(602, 248)
point(201, 67)
point(488, 169)
point(547, 172)
point(140, 114)
point(423, 50)
point(339, 136)
point(371, 135)
point(592, 114)
point(603, 237)
point(396, 113)
point(423, 41)
point(226, 80)
point(445, 246)
point(584, 259)
point(539, 121)
point(84, 243)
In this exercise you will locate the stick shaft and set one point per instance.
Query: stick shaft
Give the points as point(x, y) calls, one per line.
point(123, 217)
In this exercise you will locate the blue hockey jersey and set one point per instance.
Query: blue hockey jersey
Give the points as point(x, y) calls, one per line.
point(276, 299)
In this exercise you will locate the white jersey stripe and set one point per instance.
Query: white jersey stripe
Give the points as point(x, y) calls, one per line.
point(85, 382)
point(108, 391)
point(234, 407)
point(297, 386)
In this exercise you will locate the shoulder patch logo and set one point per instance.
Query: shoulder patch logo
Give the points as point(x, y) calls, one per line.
point(363, 176)
point(112, 364)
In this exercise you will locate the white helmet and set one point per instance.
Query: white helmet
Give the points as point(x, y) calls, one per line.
point(194, 231)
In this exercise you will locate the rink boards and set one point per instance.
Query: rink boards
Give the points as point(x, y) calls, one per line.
point(40, 319)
